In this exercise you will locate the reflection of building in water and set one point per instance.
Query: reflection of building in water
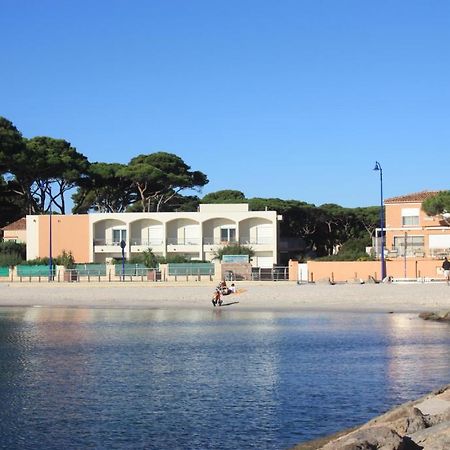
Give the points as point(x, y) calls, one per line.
point(416, 351)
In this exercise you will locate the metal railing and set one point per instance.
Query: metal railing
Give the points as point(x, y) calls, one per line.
point(129, 274)
point(112, 242)
point(183, 241)
point(279, 273)
point(242, 241)
point(217, 241)
point(146, 242)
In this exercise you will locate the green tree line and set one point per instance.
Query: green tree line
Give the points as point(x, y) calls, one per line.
point(39, 173)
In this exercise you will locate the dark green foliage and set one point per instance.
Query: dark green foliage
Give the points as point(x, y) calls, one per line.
point(45, 261)
point(175, 259)
point(104, 189)
point(12, 147)
point(225, 196)
point(158, 177)
point(65, 259)
point(352, 250)
point(438, 204)
point(12, 253)
point(234, 249)
point(57, 167)
point(147, 257)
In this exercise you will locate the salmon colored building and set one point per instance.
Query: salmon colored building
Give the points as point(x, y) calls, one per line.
point(410, 232)
point(415, 245)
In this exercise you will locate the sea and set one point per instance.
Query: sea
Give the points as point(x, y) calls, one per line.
point(78, 378)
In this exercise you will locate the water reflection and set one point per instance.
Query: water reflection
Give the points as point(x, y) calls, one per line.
point(214, 378)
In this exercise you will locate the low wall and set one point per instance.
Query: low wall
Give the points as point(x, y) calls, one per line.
point(350, 270)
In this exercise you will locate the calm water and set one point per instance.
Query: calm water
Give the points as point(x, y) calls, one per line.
point(94, 378)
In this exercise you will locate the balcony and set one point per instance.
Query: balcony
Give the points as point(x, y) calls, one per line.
point(218, 242)
point(244, 240)
point(186, 244)
point(107, 246)
point(140, 245)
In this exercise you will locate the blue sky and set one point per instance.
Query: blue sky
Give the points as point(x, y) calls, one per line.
point(290, 99)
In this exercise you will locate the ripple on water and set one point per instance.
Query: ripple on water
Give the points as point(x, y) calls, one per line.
point(146, 379)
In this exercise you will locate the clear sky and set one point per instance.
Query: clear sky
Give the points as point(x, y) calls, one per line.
point(293, 99)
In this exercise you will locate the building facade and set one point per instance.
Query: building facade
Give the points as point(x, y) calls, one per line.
point(195, 235)
point(410, 232)
point(15, 232)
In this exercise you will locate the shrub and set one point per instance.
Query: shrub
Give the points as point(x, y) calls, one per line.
point(12, 253)
point(234, 249)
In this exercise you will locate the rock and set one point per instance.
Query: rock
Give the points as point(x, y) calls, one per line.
point(441, 316)
point(380, 437)
point(420, 424)
point(433, 438)
point(403, 420)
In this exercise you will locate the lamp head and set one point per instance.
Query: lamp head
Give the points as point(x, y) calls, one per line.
point(377, 166)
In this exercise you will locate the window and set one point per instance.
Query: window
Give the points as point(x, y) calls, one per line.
point(228, 234)
point(410, 221)
point(410, 217)
point(413, 244)
point(119, 235)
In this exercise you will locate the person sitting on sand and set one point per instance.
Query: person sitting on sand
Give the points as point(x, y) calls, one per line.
point(232, 288)
point(224, 288)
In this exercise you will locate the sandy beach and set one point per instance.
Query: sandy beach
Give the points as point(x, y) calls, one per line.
point(256, 296)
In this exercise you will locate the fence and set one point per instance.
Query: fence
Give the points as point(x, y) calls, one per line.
point(190, 269)
point(139, 271)
point(39, 272)
point(91, 269)
point(280, 273)
point(4, 272)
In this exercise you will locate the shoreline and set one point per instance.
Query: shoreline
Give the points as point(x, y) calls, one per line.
point(256, 296)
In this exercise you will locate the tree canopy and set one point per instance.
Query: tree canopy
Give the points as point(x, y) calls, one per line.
point(158, 177)
point(437, 204)
point(224, 196)
point(104, 189)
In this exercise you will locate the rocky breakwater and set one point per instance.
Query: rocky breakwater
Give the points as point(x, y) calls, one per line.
point(439, 316)
point(423, 424)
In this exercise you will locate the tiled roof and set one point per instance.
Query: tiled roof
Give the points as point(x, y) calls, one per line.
point(416, 197)
point(20, 224)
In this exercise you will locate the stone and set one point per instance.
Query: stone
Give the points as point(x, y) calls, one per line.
point(380, 437)
point(440, 316)
point(433, 438)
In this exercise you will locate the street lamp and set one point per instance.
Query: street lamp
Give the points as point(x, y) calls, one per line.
point(50, 259)
point(122, 246)
point(50, 262)
point(383, 263)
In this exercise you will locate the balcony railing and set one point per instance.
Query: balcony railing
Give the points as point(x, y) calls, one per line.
point(146, 242)
point(106, 242)
point(242, 241)
point(184, 241)
point(216, 241)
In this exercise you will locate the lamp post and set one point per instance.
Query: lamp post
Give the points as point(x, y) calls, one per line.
point(50, 257)
point(383, 263)
point(122, 246)
point(50, 262)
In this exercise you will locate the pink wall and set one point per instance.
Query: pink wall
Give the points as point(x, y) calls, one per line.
point(70, 233)
point(349, 270)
